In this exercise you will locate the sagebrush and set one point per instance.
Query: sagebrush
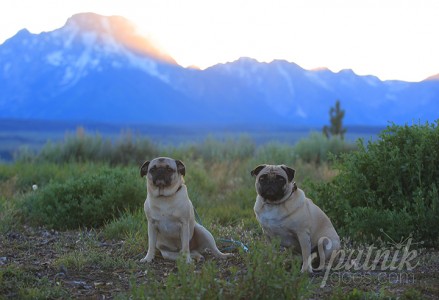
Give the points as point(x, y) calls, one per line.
point(389, 185)
point(88, 200)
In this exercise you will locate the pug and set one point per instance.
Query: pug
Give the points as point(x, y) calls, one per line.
point(172, 228)
point(284, 212)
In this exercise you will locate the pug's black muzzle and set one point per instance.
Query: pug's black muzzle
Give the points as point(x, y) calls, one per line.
point(272, 190)
point(162, 178)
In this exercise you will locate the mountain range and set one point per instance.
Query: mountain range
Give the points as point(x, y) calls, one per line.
point(99, 68)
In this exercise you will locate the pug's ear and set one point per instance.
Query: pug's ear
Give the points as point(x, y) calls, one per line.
point(256, 170)
point(180, 167)
point(144, 168)
point(290, 172)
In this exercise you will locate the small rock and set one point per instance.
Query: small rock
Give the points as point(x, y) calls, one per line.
point(82, 284)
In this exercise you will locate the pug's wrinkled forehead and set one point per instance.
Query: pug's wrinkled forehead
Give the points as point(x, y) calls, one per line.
point(163, 162)
point(281, 170)
point(273, 170)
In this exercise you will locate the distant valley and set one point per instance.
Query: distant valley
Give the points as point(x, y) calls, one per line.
point(32, 135)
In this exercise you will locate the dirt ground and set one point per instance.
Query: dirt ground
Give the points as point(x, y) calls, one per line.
point(35, 251)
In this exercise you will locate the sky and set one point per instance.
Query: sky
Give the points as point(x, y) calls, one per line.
point(391, 39)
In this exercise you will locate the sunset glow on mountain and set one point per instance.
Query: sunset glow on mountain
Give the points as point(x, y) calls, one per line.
point(122, 30)
point(392, 39)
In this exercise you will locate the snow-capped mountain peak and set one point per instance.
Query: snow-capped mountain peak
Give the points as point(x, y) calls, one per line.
point(90, 41)
point(100, 68)
point(113, 33)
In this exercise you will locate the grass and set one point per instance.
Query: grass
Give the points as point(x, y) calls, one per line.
point(9, 214)
point(268, 274)
point(74, 256)
point(82, 259)
point(22, 283)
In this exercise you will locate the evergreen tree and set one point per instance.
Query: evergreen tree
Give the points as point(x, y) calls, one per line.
point(336, 115)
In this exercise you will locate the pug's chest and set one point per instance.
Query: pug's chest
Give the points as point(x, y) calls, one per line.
point(168, 227)
point(165, 223)
point(278, 225)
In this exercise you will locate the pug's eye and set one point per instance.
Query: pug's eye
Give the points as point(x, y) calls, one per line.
point(281, 179)
point(169, 169)
point(262, 179)
point(153, 169)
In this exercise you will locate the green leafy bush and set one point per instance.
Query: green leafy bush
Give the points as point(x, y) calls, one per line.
point(82, 147)
point(317, 148)
point(391, 184)
point(88, 200)
point(128, 224)
point(228, 149)
point(274, 153)
point(20, 177)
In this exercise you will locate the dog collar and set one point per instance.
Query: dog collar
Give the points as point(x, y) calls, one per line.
point(293, 190)
point(176, 191)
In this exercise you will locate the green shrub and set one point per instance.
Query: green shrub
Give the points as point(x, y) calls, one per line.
point(82, 147)
point(317, 148)
point(229, 149)
point(274, 153)
point(391, 184)
point(128, 224)
point(200, 186)
point(127, 150)
point(88, 200)
point(20, 176)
